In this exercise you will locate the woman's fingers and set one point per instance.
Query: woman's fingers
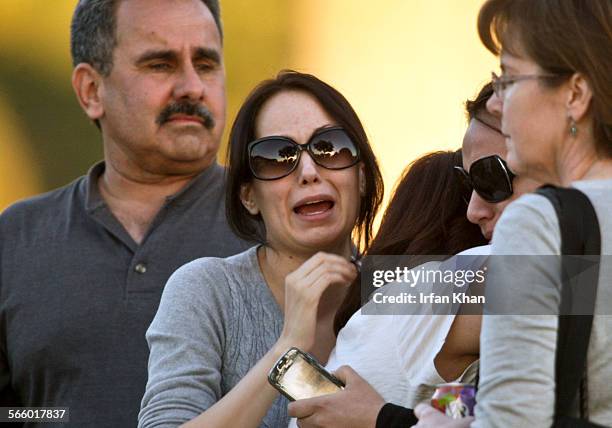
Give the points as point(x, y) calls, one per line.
point(326, 279)
point(321, 266)
point(340, 266)
point(312, 263)
point(303, 290)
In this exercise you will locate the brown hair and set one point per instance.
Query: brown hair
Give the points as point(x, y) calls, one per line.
point(563, 37)
point(476, 109)
point(333, 102)
point(478, 106)
point(426, 216)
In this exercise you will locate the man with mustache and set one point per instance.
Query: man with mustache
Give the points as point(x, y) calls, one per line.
point(82, 268)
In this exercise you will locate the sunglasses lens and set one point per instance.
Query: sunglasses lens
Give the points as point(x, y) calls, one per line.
point(490, 179)
point(333, 149)
point(273, 158)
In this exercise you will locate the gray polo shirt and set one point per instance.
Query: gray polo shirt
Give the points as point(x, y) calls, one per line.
point(77, 294)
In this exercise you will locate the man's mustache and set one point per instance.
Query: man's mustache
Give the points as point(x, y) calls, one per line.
point(188, 109)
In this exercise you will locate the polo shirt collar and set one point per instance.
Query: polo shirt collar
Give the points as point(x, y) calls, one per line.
point(209, 177)
point(193, 190)
point(93, 197)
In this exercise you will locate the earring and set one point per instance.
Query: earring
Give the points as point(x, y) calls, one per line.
point(573, 127)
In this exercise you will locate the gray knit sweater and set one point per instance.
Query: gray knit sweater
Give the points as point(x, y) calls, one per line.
point(216, 319)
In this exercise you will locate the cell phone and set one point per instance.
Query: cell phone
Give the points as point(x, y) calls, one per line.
point(298, 375)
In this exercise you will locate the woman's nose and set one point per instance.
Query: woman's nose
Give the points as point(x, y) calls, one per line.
point(479, 211)
point(308, 170)
point(495, 105)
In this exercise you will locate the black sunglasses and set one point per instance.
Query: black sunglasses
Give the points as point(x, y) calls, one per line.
point(490, 177)
point(271, 158)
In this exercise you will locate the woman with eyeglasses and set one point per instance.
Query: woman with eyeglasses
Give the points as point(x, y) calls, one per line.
point(304, 183)
point(554, 97)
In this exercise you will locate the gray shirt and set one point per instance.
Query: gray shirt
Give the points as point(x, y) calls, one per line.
point(216, 319)
point(77, 293)
point(517, 361)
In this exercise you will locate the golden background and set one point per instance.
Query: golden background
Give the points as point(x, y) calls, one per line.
point(406, 66)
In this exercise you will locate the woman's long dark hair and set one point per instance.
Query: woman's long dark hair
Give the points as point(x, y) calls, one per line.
point(251, 227)
point(426, 216)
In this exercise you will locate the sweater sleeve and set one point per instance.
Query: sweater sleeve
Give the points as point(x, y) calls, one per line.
point(517, 361)
point(186, 341)
point(394, 416)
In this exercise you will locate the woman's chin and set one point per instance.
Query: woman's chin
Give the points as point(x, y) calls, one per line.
point(324, 240)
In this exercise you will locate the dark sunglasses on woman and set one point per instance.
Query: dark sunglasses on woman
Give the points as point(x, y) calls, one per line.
point(490, 177)
point(271, 158)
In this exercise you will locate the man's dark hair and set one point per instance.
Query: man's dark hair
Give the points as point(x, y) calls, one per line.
point(474, 108)
point(93, 32)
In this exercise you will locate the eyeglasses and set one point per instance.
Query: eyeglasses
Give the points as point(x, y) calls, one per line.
point(501, 83)
point(490, 177)
point(271, 158)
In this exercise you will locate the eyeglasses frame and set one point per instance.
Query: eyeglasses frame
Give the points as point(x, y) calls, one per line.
point(508, 173)
point(500, 83)
point(301, 148)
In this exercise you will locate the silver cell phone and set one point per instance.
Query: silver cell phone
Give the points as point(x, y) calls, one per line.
point(298, 375)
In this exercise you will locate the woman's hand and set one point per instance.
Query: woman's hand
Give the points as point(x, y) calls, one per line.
point(432, 418)
point(356, 406)
point(303, 290)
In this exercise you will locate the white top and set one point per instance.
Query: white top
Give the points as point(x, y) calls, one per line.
point(395, 353)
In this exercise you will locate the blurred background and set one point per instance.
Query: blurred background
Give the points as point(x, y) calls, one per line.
point(406, 66)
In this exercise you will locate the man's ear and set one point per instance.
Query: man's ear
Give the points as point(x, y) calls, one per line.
point(248, 200)
point(86, 83)
point(579, 98)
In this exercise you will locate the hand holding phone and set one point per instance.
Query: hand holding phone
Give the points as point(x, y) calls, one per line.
point(356, 406)
point(297, 375)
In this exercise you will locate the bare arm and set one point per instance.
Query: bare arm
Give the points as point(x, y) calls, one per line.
point(461, 347)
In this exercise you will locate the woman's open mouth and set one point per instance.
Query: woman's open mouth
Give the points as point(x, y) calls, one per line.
point(313, 208)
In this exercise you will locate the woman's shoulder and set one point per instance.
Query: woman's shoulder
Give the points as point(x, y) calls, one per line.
point(599, 193)
point(208, 274)
point(536, 209)
point(482, 250)
point(202, 289)
point(530, 207)
point(211, 266)
point(528, 225)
